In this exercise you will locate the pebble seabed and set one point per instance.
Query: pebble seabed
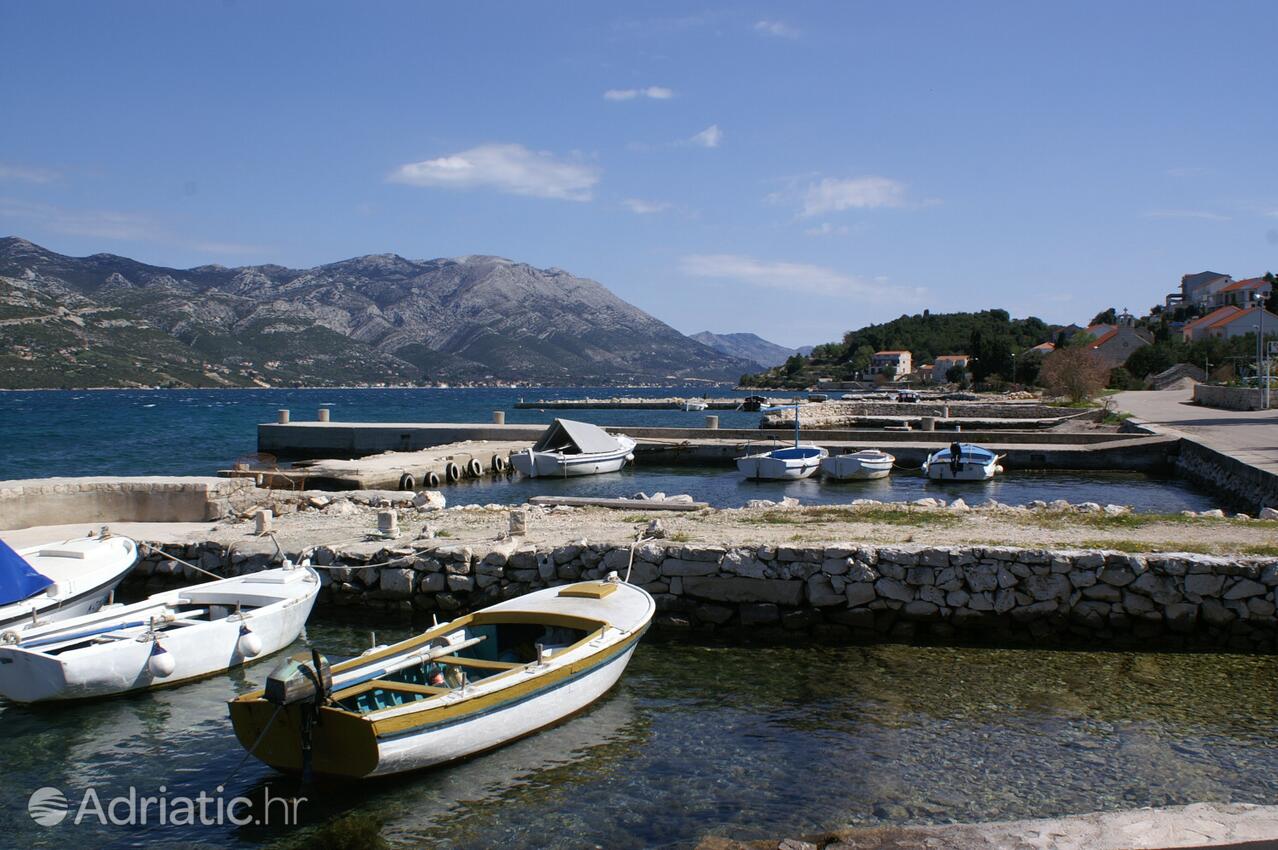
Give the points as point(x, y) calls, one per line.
point(835, 593)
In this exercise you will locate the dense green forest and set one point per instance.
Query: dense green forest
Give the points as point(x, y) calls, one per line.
point(990, 336)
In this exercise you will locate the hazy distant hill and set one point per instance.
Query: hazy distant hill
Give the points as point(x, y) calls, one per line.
point(107, 320)
point(747, 346)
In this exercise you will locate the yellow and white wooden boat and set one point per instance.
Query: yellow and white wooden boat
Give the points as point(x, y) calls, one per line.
point(460, 688)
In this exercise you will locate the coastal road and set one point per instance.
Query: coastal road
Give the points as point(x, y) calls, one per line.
point(1248, 435)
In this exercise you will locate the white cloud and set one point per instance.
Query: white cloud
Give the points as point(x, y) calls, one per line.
point(795, 277)
point(835, 195)
point(1202, 215)
point(509, 168)
point(642, 207)
point(777, 28)
point(710, 137)
point(651, 92)
point(827, 229)
point(27, 174)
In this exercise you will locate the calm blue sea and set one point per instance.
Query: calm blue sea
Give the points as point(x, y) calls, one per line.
point(196, 432)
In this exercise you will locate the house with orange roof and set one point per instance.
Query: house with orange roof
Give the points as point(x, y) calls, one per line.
point(1242, 293)
point(1044, 347)
point(1229, 321)
point(900, 361)
point(944, 363)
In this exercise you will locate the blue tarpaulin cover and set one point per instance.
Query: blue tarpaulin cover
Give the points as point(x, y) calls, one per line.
point(18, 579)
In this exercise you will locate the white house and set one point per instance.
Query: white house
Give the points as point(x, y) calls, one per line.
point(898, 360)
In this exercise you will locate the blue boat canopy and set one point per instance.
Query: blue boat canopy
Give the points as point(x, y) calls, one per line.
point(18, 579)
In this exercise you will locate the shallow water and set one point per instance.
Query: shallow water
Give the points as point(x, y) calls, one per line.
point(196, 432)
point(748, 742)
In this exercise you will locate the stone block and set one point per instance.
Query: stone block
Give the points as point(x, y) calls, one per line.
point(1245, 588)
point(1052, 586)
point(835, 566)
point(680, 567)
point(1214, 613)
point(643, 572)
point(1203, 585)
point(889, 588)
point(716, 614)
point(737, 589)
point(934, 557)
point(1103, 593)
point(460, 584)
point(920, 576)
point(1004, 601)
point(712, 554)
point(957, 598)
point(859, 593)
point(433, 583)
point(932, 594)
point(821, 592)
point(920, 610)
point(1116, 574)
point(758, 613)
point(1181, 616)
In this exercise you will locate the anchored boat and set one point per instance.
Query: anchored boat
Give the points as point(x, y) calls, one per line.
point(569, 447)
point(462, 687)
point(867, 463)
point(56, 581)
point(170, 637)
point(790, 463)
point(962, 462)
point(695, 404)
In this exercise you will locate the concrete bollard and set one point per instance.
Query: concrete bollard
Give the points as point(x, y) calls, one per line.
point(322, 414)
point(499, 417)
point(282, 416)
point(927, 423)
point(712, 422)
point(518, 522)
point(387, 524)
point(262, 522)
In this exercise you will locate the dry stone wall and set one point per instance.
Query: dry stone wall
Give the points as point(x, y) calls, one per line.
point(841, 592)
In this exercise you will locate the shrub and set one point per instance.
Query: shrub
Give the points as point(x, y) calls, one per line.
point(1075, 372)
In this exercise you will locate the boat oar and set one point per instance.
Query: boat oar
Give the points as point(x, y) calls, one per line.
point(114, 627)
point(409, 661)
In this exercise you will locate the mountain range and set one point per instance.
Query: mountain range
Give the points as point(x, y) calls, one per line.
point(748, 346)
point(106, 320)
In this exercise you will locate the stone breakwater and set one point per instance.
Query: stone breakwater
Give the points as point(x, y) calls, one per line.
point(840, 592)
point(1243, 484)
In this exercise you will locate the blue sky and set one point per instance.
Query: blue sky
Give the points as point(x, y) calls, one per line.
point(791, 169)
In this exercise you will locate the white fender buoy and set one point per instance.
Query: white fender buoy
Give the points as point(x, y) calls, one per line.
point(249, 644)
point(161, 663)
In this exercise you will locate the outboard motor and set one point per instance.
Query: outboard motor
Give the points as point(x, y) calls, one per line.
point(956, 458)
point(306, 685)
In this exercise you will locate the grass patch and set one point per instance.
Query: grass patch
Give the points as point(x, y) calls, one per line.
point(874, 515)
point(443, 532)
point(636, 518)
point(1067, 519)
point(1136, 547)
point(679, 537)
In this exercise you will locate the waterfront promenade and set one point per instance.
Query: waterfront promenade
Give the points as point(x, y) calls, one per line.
point(1249, 436)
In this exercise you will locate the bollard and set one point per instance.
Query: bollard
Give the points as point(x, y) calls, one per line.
point(262, 522)
point(518, 522)
point(322, 414)
point(387, 524)
point(282, 417)
point(927, 423)
point(947, 411)
point(712, 422)
point(499, 417)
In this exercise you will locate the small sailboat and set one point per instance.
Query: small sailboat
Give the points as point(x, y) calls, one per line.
point(170, 637)
point(867, 463)
point(790, 463)
point(57, 581)
point(460, 688)
point(569, 447)
point(962, 462)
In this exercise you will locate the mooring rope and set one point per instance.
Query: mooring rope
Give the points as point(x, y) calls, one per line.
point(253, 748)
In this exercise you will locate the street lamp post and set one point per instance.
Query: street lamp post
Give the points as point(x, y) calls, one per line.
point(1262, 366)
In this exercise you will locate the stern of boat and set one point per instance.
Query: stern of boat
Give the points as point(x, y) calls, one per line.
point(342, 744)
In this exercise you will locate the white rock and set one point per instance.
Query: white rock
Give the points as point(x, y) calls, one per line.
point(756, 504)
point(318, 501)
point(959, 505)
point(430, 500)
point(1118, 510)
point(341, 507)
point(1268, 513)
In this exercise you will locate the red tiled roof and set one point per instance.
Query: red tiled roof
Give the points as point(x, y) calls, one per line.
point(880, 353)
point(1224, 320)
point(1104, 338)
point(1249, 283)
point(1044, 346)
point(1213, 317)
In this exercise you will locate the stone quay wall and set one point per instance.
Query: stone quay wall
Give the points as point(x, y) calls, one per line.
point(835, 593)
point(1241, 483)
point(1227, 398)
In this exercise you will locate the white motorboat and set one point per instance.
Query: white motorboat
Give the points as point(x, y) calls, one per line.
point(962, 462)
point(695, 404)
point(867, 463)
point(170, 637)
point(57, 581)
point(460, 688)
point(789, 463)
point(569, 447)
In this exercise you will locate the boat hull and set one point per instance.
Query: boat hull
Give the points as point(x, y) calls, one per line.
point(776, 466)
point(122, 665)
point(850, 467)
point(82, 584)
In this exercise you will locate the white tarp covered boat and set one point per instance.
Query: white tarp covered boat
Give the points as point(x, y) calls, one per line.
point(695, 404)
point(168, 638)
point(56, 581)
point(569, 447)
point(962, 462)
point(460, 688)
point(867, 463)
point(791, 462)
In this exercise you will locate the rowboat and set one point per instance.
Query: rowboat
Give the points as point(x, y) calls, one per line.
point(962, 462)
point(469, 685)
point(56, 581)
point(789, 463)
point(867, 463)
point(569, 447)
point(171, 637)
